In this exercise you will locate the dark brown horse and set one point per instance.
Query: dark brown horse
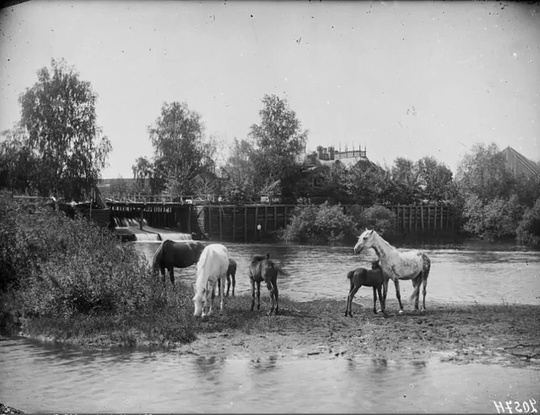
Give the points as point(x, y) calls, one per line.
point(264, 269)
point(371, 278)
point(231, 273)
point(172, 254)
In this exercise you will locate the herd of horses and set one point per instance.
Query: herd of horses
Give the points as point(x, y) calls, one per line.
point(214, 267)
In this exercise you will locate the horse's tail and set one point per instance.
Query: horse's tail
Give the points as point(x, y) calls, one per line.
point(426, 266)
point(280, 270)
point(416, 291)
point(350, 274)
point(156, 261)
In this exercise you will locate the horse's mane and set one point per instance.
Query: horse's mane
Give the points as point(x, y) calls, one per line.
point(380, 239)
point(260, 257)
point(199, 283)
point(206, 255)
point(157, 257)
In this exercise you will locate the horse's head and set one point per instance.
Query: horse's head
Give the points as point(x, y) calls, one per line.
point(199, 301)
point(365, 240)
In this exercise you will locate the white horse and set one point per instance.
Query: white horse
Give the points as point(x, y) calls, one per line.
point(211, 269)
point(398, 265)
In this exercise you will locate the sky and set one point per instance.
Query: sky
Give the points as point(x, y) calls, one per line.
point(400, 79)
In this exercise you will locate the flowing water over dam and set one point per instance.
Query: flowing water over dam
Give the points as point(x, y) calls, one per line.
point(39, 377)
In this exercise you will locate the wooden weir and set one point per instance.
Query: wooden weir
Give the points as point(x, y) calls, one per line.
point(251, 223)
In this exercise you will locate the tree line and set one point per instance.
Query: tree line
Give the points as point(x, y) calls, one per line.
point(58, 149)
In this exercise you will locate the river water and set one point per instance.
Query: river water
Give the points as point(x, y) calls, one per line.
point(466, 273)
point(37, 377)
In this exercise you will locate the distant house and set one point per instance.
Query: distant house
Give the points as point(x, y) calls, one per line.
point(328, 155)
point(321, 159)
point(518, 164)
point(316, 164)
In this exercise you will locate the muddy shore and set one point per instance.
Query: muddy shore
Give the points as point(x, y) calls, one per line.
point(504, 334)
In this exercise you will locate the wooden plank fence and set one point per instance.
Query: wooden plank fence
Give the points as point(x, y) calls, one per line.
point(250, 223)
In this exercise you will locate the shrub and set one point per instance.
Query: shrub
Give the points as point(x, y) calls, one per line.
point(323, 223)
point(29, 234)
point(71, 280)
point(63, 266)
point(495, 219)
point(376, 217)
point(528, 230)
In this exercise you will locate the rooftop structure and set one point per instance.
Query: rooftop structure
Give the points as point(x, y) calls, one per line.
point(519, 164)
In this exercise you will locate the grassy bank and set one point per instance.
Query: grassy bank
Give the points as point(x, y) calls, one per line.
point(168, 321)
point(68, 279)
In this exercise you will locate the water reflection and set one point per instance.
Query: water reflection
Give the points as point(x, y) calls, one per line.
point(209, 368)
point(261, 366)
point(45, 379)
point(379, 365)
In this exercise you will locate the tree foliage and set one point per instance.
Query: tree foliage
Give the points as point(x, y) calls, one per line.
point(59, 116)
point(18, 163)
point(319, 223)
point(495, 219)
point(375, 217)
point(142, 171)
point(181, 151)
point(528, 231)
point(367, 184)
point(278, 141)
point(483, 172)
point(238, 173)
point(437, 180)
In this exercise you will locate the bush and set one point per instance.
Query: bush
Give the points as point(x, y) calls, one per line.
point(323, 223)
point(376, 217)
point(528, 230)
point(61, 266)
point(495, 219)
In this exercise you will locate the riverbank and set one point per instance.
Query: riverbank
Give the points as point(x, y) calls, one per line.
point(504, 334)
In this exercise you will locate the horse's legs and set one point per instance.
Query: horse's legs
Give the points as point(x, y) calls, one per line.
point(252, 293)
point(350, 297)
point(271, 290)
point(258, 295)
point(222, 294)
point(415, 282)
point(213, 285)
point(425, 273)
point(171, 275)
point(276, 294)
point(398, 295)
point(228, 285)
point(272, 287)
point(380, 299)
point(424, 278)
point(385, 293)
point(233, 275)
point(375, 299)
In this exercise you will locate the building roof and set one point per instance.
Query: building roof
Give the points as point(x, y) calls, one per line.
point(519, 164)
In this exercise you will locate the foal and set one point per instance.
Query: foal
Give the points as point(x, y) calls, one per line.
point(264, 269)
point(369, 277)
point(231, 273)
